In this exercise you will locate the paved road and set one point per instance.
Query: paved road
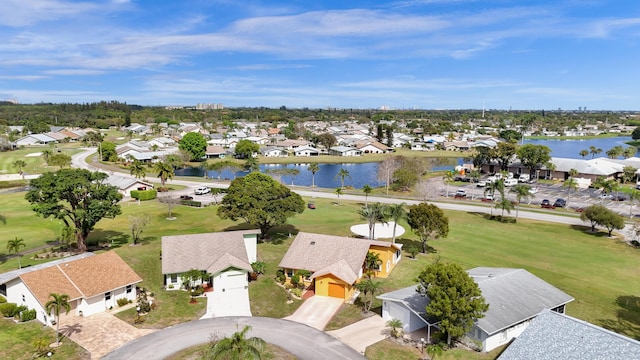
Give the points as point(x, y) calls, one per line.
point(302, 341)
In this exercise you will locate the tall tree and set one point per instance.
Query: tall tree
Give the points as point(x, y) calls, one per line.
point(367, 190)
point(594, 151)
point(629, 151)
point(107, 151)
point(238, 347)
point(342, 174)
point(571, 184)
point(313, 168)
point(246, 148)
point(13, 246)
point(504, 153)
point(165, 172)
point(194, 144)
point(327, 140)
point(533, 157)
point(600, 215)
point(428, 222)
point(54, 306)
point(78, 197)
point(20, 165)
point(61, 160)
point(338, 192)
point(448, 178)
point(396, 212)
point(369, 288)
point(260, 201)
point(373, 214)
point(583, 153)
point(523, 192)
point(454, 298)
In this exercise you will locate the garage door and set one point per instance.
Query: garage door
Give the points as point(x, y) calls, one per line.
point(336, 290)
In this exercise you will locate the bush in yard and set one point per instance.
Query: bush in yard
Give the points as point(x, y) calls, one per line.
point(123, 301)
point(28, 315)
point(144, 195)
point(8, 309)
point(297, 292)
point(191, 203)
point(295, 280)
point(280, 276)
point(2, 299)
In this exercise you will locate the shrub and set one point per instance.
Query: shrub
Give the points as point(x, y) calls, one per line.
point(635, 243)
point(297, 292)
point(28, 315)
point(295, 280)
point(123, 301)
point(2, 299)
point(197, 291)
point(144, 195)
point(259, 267)
point(8, 309)
point(413, 251)
point(191, 203)
point(280, 276)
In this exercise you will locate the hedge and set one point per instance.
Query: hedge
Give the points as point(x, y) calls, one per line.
point(8, 309)
point(191, 203)
point(28, 315)
point(144, 195)
point(2, 299)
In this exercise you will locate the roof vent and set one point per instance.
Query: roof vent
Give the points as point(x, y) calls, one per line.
point(313, 243)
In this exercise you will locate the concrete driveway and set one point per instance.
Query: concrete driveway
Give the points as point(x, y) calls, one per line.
point(316, 311)
point(100, 333)
point(302, 341)
point(234, 302)
point(362, 334)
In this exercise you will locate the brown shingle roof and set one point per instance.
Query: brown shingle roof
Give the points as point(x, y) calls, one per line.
point(340, 256)
point(210, 251)
point(83, 278)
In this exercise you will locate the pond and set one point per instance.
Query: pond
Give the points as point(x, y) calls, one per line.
point(571, 148)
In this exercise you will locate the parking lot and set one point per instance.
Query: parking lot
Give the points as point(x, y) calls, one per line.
point(578, 199)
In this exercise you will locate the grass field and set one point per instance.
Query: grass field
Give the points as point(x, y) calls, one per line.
point(16, 340)
point(597, 271)
point(35, 164)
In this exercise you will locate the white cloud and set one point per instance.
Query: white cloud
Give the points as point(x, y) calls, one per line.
point(18, 13)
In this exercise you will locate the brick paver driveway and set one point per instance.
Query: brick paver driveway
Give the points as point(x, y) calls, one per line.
point(101, 333)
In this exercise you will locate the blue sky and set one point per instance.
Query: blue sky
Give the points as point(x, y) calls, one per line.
point(428, 54)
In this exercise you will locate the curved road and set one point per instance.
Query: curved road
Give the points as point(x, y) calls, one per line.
point(302, 341)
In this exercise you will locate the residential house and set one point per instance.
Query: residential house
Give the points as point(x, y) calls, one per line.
point(344, 151)
point(422, 146)
point(273, 152)
point(225, 257)
point(552, 335)
point(456, 146)
point(94, 283)
point(372, 147)
point(161, 142)
point(215, 152)
point(35, 139)
point(336, 262)
point(306, 151)
point(125, 185)
point(515, 297)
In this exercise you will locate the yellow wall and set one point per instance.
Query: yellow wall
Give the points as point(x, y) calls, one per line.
point(386, 255)
point(322, 286)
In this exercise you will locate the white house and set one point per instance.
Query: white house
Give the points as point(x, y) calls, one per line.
point(273, 152)
point(94, 283)
point(126, 185)
point(35, 139)
point(515, 297)
point(344, 151)
point(306, 151)
point(372, 147)
point(226, 258)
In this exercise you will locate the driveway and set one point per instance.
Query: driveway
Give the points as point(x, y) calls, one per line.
point(302, 341)
point(100, 333)
point(316, 311)
point(233, 302)
point(362, 334)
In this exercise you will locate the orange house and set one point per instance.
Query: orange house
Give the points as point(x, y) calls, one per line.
point(336, 263)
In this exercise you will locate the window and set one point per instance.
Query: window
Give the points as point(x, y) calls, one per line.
point(129, 288)
point(289, 273)
point(107, 295)
point(23, 298)
point(174, 278)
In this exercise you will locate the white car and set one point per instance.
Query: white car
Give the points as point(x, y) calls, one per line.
point(202, 190)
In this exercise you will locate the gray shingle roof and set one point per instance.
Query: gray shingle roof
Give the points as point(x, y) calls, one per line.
point(212, 252)
point(414, 301)
point(513, 295)
point(553, 336)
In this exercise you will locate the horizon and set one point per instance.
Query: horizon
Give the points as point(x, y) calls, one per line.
point(436, 55)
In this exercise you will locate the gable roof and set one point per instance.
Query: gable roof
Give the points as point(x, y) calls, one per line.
point(326, 254)
point(82, 278)
point(552, 335)
point(513, 295)
point(412, 300)
point(212, 252)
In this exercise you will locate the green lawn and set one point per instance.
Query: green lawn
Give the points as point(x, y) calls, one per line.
point(16, 340)
point(35, 164)
point(597, 271)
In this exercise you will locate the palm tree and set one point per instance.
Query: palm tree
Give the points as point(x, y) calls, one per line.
point(630, 151)
point(396, 212)
point(505, 204)
point(20, 165)
point(368, 287)
point(448, 178)
point(137, 169)
point(394, 324)
point(57, 303)
point(164, 170)
point(47, 154)
point(338, 192)
point(583, 153)
point(367, 189)
point(522, 192)
point(13, 246)
point(570, 184)
point(372, 263)
point(434, 350)
point(373, 214)
point(342, 174)
point(238, 346)
point(634, 195)
point(594, 151)
point(313, 168)
point(491, 188)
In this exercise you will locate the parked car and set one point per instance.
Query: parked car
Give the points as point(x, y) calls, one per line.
point(460, 193)
point(488, 197)
point(547, 204)
point(186, 197)
point(202, 190)
point(510, 182)
point(560, 203)
point(481, 183)
point(462, 179)
point(619, 198)
point(311, 205)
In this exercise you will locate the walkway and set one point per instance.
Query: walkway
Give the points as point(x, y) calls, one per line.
point(316, 311)
point(100, 333)
point(302, 341)
point(362, 334)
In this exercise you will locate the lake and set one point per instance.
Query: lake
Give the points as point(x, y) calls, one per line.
point(571, 148)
